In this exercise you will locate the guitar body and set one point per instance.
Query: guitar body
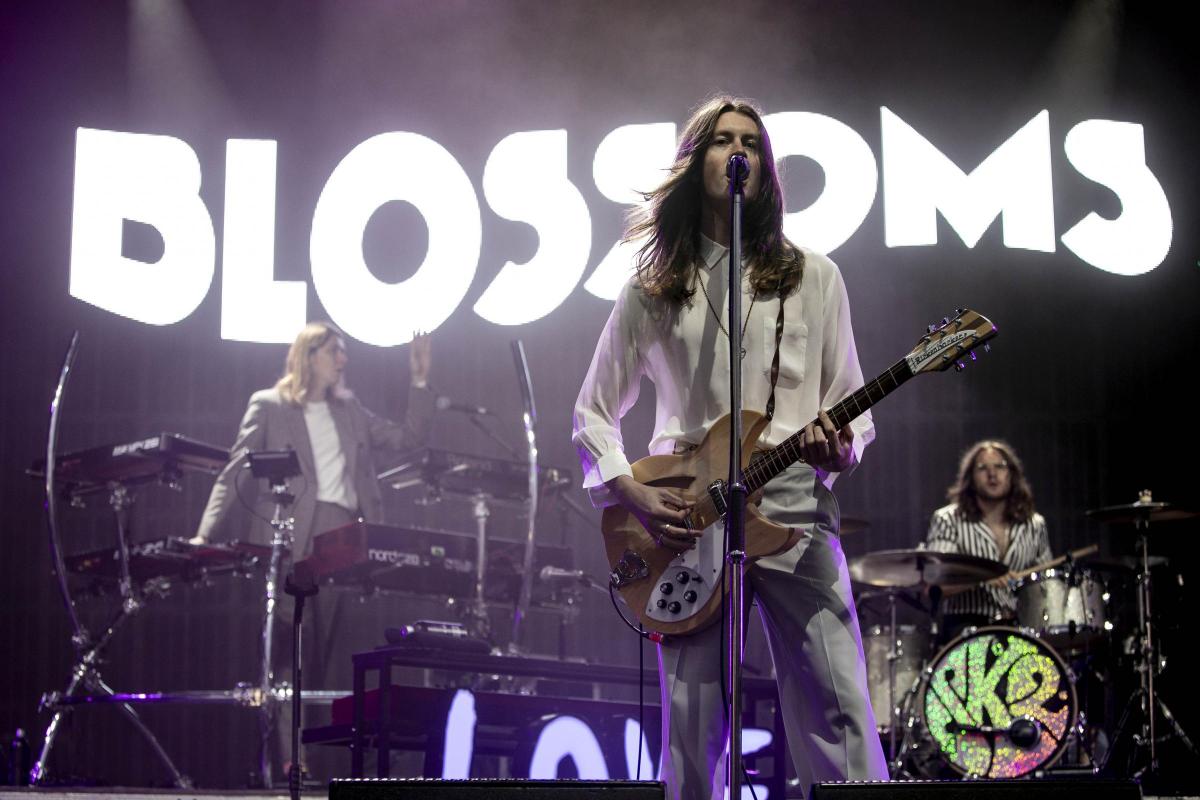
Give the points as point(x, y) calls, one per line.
point(641, 567)
point(680, 593)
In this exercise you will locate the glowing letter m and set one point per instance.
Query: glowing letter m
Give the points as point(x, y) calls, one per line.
point(1013, 182)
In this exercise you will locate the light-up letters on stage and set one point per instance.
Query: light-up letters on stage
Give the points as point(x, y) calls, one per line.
point(525, 180)
point(564, 737)
point(1013, 182)
point(149, 179)
point(394, 166)
point(155, 180)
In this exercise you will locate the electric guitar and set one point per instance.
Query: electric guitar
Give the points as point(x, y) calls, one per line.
point(678, 593)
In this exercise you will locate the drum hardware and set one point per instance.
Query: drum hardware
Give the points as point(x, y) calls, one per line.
point(1141, 514)
point(1062, 601)
point(903, 643)
point(895, 570)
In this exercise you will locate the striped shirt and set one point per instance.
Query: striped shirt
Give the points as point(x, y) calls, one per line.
point(1028, 545)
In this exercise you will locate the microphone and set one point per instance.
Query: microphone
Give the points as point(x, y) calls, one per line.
point(444, 403)
point(1023, 732)
point(738, 169)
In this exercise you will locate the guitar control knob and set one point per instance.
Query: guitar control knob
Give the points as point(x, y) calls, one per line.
point(674, 607)
point(666, 588)
point(683, 577)
point(661, 603)
point(690, 596)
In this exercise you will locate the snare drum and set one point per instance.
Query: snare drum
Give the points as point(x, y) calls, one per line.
point(999, 703)
point(1065, 607)
point(911, 645)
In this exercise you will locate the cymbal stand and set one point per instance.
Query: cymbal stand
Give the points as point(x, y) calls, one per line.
point(892, 657)
point(1146, 698)
point(904, 709)
point(281, 544)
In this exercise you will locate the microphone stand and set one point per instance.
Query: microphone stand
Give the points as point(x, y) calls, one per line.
point(735, 519)
point(300, 586)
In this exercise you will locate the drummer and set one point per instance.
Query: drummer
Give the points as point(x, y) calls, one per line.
point(990, 515)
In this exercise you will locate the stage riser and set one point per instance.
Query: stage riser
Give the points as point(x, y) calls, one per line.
point(494, 790)
point(1087, 789)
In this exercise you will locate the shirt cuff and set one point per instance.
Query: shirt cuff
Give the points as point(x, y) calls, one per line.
point(610, 465)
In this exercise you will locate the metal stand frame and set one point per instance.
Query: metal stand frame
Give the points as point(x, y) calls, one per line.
point(735, 519)
point(85, 672)
point(281, 544)
point(1146, 699)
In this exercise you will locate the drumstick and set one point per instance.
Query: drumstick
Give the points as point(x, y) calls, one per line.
point(1003, 580)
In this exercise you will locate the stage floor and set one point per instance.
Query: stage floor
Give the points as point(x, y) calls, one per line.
point(118, 793)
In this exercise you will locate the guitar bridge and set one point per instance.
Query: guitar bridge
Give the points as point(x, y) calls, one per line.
point(630, 568)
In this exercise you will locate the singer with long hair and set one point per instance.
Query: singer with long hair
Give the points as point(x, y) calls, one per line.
point(670, 325)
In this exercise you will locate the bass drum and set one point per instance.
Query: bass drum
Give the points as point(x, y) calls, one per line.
point(998, 703)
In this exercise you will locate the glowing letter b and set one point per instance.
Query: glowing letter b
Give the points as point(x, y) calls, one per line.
point(150, 179)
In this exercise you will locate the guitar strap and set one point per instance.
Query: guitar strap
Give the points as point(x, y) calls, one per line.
point(775, 360)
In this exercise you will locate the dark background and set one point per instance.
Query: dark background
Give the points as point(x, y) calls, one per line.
point(1088, 379)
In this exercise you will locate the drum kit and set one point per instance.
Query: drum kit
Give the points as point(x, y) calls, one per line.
point(1004, 700)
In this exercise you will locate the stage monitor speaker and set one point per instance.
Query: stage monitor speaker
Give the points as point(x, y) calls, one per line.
point(1050, 789)
point(430, 789)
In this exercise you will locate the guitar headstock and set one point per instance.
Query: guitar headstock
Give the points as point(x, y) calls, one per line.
point(947, 343)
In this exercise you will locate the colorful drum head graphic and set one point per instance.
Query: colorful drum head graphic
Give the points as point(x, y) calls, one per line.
point(999, 703)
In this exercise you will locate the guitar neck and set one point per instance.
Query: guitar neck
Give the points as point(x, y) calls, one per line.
point(788, 452)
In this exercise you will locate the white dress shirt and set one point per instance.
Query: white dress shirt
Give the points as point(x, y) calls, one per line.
point(684, 353)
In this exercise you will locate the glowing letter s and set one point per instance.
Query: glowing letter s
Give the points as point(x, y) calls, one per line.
point(1114, 154)
point(525, 180)
point(394, 166)
point(629, 160)
point(150, 179)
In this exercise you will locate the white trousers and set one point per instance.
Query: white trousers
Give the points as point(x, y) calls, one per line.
point(812, 630)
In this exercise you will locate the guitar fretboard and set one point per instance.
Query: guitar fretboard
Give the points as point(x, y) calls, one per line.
point(788, 452)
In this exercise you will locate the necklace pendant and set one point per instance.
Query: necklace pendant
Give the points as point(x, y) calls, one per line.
point(743, 353)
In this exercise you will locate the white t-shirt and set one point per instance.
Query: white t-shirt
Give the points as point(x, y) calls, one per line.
point(333, 484)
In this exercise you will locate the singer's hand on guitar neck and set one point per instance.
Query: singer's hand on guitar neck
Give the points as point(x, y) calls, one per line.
point(826, 449)
point(660, 510)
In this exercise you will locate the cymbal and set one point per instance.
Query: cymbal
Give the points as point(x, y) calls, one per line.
point(1141, 511)
point(853, 525)
point(1120, 563)
point(901, 568)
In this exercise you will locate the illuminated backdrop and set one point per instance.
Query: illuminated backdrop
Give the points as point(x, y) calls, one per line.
point(184, 182)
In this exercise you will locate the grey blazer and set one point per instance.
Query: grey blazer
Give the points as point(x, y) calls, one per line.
point(272, 424)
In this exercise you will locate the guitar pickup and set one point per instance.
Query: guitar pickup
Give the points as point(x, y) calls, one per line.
point(716, 492)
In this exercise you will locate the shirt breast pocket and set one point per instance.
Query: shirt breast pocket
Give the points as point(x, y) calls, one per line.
point(793, 350)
